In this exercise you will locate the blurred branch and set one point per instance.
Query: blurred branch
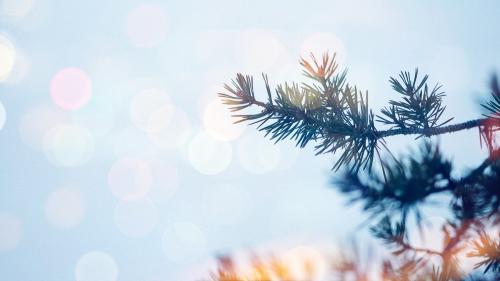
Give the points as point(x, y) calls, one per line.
point(336, 117)
point(487, 249)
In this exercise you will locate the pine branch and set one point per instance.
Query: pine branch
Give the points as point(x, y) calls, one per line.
point(329, 111)
point(420, 107)
point(488, 249)
point(493, 106)
point(435, 130)
point(336, 117)
point(472, 176)
point(407, 183)
point(395, 235)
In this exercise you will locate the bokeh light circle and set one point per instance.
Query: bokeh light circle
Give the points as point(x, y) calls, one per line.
point(68, 145)
point(257, 154)
point(130, 179)
point(208, 155)
point(71, 88)
point(136, 218)
point(258, 49)
point(15, 9)
point(10, 232)
point(175, 134)
point(65, 208)
point(321, 42)
point(99, 115)
point(146, 25)
point(3, 116)
point(288, 155)
point(166, 180)
point(151, 110)
point(7, 57)
point(37, 122)
point(183, 242)
point(219, 123)
point(20, 69)
point(131, 143)
point(96, 266)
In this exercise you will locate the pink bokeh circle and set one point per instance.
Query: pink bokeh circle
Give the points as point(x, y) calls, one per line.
point(71, 88)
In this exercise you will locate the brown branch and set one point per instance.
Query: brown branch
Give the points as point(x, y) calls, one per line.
point(407, 246)
point(413, 131)
point(433, 131)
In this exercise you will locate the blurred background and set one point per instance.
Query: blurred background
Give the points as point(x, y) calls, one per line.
point(120, 163)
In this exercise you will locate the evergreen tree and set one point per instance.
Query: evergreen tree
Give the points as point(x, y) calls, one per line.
point(335, 116)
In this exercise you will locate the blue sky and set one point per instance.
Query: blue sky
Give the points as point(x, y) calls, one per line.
point(118, 156)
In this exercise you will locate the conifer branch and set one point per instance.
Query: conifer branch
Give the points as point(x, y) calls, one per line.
point(335, 115)
point(489, 250)
point(436, 130)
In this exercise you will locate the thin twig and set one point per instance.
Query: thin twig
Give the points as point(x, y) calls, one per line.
point(412, 131)
point(433, 131)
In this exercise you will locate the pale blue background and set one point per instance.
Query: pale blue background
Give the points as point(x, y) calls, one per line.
point(381, 38)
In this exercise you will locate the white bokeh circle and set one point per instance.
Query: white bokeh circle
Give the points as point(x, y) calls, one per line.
point(7, 57)
point(15, 9)
point(151, 110)
point(257, 154)
point(130, 179)
point(96, 266)
point(183, 242)
point(131, 143)
point(3, 115)
point(321, 42)
point(20, 69)
point(166, 180)
point(37, 122)
point(65, 208)
point(68, 145)
point(208, 155)
point(259, 49)
point(136, 218)
point(219, 123)
point(99, 115)
point(175, 134)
